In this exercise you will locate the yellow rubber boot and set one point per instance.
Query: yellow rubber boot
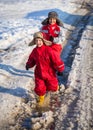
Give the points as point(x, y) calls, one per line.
point(41, 100)
point(57, 87)
point(57, 91)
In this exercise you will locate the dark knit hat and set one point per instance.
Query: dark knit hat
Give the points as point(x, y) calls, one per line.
point(52, 14)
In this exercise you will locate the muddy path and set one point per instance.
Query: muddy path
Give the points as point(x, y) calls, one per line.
point(78, 103)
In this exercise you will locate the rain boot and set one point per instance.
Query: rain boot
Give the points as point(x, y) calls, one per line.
point(57, 87)
point(57, 91)
point(40, 100)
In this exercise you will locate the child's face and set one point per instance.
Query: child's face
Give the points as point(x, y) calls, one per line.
point(39, 42)
point(52, 20)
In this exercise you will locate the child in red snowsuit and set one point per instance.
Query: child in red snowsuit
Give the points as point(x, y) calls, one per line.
point(47, 63)
point(52, 31)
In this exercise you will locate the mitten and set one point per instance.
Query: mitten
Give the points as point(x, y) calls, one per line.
point(60, 73)
point(51, 38)
point(27, 67)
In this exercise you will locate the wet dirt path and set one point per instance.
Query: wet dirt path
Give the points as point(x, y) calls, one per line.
point(78, 104)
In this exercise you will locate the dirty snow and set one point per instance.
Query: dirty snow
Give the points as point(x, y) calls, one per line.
point(70, 109)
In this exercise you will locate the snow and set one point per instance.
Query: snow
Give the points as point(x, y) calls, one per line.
point(18, 21)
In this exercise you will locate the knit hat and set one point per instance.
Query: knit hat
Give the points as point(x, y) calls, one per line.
point(52, 14)
point(39, 35)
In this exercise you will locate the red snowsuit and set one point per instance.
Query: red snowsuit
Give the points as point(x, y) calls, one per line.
point(47, 62)
point(54, 31)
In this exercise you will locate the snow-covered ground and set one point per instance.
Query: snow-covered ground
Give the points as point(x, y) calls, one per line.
point(71, 109)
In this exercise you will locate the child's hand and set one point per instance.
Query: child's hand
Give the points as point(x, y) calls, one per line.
point(51, 38)
point(27, 67)
point(60, 73)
